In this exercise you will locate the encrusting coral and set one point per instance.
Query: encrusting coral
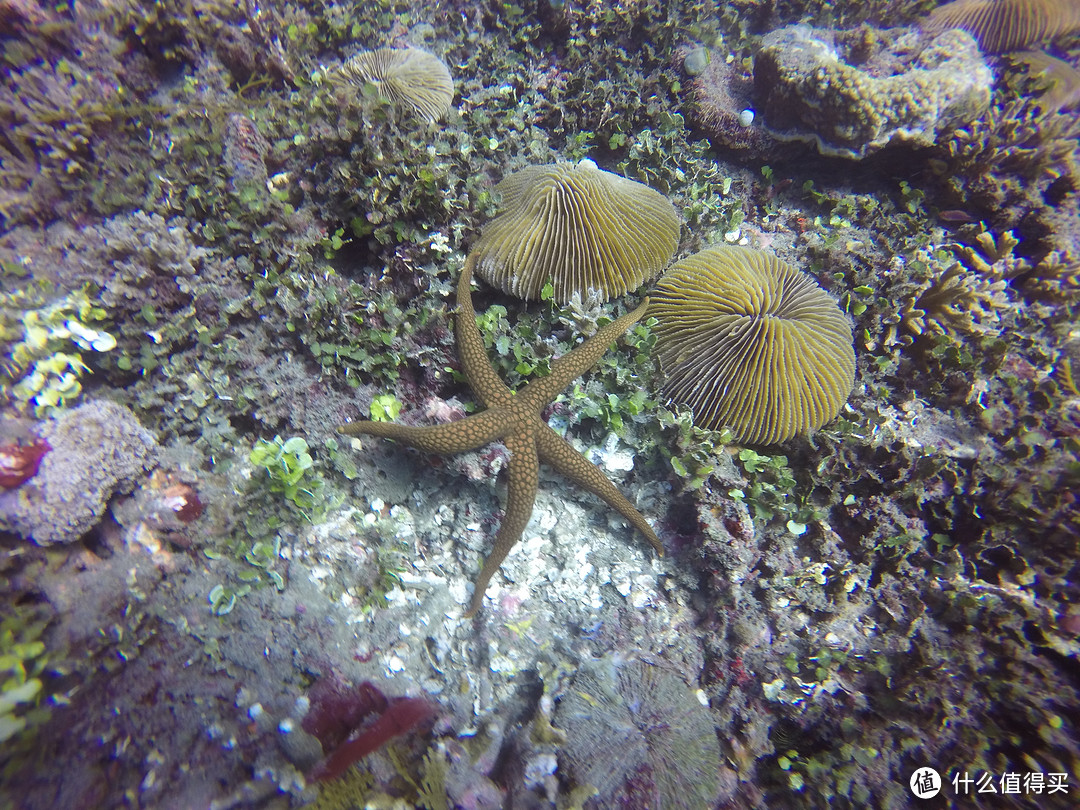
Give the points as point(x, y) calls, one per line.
point(514, 417)
point(808, 90)
point(578, 227)
point(409, 76)
point(751, 343)
point(96, 449)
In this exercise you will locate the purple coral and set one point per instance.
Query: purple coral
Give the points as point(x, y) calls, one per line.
point(97, 449)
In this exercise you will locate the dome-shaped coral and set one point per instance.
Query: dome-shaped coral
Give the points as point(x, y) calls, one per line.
point(1007, 25)
point(580, 228)
point(406, 76)
point(751, 343)
point(637, 734)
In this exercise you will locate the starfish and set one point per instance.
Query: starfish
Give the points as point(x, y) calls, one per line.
point(514, 418)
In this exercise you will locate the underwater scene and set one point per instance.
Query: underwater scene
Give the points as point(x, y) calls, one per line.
point(598, 404)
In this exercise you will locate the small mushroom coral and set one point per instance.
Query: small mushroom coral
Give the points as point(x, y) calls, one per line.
point(579, 227)
point(752, 344)
point(408, 76)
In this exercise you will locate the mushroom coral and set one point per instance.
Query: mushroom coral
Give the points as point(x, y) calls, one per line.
point(752, 344)
point(408, 76)
point(579, 227)
point(1007, 25)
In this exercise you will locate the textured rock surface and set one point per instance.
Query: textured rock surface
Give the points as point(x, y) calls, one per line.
point(809, 88)
point(97, 449)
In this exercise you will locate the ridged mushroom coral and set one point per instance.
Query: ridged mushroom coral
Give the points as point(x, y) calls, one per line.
point(408, 76)
point(750, 343)
point(579, 227)
point(1007, 25)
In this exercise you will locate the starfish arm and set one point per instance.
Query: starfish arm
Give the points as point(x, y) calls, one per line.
point(453, 437)
point(558, 453)
point(522, 480)
point(569, 367)
point(472, 355)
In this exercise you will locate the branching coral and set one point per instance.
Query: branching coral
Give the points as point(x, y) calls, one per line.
point(993, 258)
point(1004, 162)
point(1055, 276)
point(954, 301)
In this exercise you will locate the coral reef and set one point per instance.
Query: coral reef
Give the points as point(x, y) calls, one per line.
point(1006, 165)
point(953, 301)
point(208, 223)
point(809, 89)
point(96, 449)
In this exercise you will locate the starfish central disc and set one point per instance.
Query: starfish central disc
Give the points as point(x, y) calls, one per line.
point(515, 420)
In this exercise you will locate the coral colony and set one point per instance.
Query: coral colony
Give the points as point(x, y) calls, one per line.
point(743, 474)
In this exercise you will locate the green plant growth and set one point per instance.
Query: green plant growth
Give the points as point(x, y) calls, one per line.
point(45, 363)
point(287, 464)
point(771, 490)
point(349, 333)
point(341, 459)
point(694, 457)
point(385, 408)
point(22, 661)
point(514, 346)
